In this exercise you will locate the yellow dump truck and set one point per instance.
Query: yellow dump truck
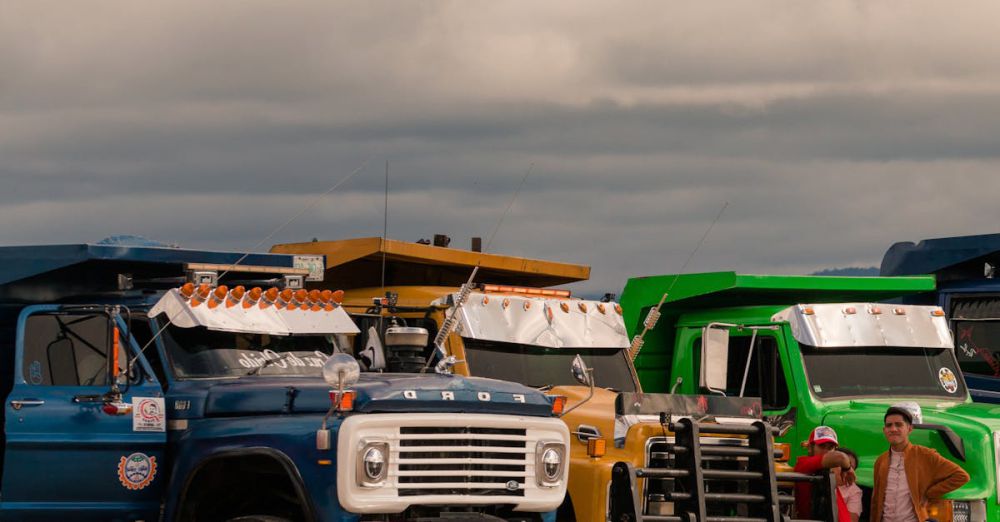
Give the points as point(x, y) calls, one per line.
point(634, 456)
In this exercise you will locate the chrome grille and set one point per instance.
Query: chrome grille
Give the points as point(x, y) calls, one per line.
point(480, 461)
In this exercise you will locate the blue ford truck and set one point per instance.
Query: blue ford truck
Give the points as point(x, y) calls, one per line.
point(144, 382)
point(968, 289)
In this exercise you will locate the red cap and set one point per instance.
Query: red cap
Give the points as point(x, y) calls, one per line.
point(823, 434)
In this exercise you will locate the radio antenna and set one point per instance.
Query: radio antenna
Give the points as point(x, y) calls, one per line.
point(449, 323)
point(654, 313)
point(281, 227)
point(385, 235)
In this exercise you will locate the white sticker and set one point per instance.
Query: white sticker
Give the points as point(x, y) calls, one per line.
point(149, 414)
point(948, 380)
point(817, 388)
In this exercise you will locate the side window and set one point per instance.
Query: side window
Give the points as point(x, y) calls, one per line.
point(66, 349)
point(763, 377)
point(143, 334)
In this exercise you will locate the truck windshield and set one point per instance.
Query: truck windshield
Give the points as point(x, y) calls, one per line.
point(539, 366)
point(198, 353)
point(878, 371)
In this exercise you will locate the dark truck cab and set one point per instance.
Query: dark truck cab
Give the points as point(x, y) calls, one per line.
point(968, 291)
point(226, 410)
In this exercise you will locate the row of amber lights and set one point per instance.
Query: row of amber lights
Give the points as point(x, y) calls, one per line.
point(874, 310)
point(286, 299)
point(527, 304)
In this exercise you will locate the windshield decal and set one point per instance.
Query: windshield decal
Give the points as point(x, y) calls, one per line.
point(948, 380)
point(253, 359)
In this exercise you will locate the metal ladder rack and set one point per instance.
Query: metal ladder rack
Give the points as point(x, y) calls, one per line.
point(754, 496)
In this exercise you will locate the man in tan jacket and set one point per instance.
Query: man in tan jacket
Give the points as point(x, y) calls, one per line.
point(907, 475)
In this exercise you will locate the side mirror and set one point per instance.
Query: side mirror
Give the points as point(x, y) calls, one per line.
point(714, 357)
point(341, 371)
point(580, 372)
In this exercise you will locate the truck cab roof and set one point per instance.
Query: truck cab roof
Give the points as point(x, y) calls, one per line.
point(50, 273)
point(357, 263)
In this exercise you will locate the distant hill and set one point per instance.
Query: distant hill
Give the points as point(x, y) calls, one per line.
point(849, 271)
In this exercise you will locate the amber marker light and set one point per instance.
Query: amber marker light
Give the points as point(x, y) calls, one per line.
point(218, 296)
point(284, 298)
point(875, 310)
point(269, 297)
point(235, 296)
point(899, 311)
point(558, 404)
point(324, 462)
point(601, 308)
point(564, 307)
point(187, 291)
point(597, 447)
point(343, 401)
point(850, 310)
point(618, 309)
point(808, 311)
point(785, 449)
point(937, 313)
point(582, 306)
point(252, 297)
point(337, 296)
point(201, 295)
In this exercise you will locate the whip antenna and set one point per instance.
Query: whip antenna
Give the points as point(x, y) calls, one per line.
point(449, 323)
point(654, 313)
point(281, 227)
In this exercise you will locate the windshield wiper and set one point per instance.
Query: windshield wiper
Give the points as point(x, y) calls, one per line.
point(268, 362)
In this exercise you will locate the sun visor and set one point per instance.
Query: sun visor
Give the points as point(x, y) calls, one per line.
point(253, 319)
point(554, 323)
point(841, 325)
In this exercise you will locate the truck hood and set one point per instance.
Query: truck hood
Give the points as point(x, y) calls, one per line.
point(859, 426)
point(376, 393)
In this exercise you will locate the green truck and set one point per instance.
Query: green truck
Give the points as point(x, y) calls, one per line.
point(821, 351)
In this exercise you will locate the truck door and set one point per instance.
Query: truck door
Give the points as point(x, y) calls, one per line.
point(70, 454)
point(753, 363)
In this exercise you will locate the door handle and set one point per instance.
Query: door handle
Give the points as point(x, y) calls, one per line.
point(18, 404)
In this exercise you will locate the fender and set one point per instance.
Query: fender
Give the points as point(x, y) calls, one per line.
point(278, 456)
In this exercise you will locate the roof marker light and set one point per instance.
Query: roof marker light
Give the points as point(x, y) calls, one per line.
point(899, 311)
point(582, 306)
point(505, 303)
point(325, 296)
point(218, 296)
point(486, 300)
point(252, 297)
point(601, 308)
point(850, 310)
point(235, 296)
point(875, 310)
point(315, 300)
point(300, 300)
point(808, 311)
point(187, 291)
point(201, 295)
point(337, 296)
point(548, 313)
point(284, 299)
point(527, 305)
point(525, 290)
point(270, 297)
point(618, 308)
point(565, 307)
point(937, 313)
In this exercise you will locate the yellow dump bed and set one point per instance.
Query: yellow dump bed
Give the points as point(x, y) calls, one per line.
point(357, 263)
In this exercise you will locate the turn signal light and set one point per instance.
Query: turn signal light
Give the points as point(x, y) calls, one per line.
point(597, 447)
point(558, 404)
point(785, 451)
point(343, 401)
point(526, 290)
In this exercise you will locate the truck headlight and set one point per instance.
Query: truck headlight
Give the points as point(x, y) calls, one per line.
point(549, 463)
point(373, 464)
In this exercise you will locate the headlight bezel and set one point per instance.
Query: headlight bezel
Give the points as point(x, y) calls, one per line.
point(365, 449)
point(542, 450)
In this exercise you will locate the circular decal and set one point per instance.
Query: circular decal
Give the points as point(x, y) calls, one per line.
point(948, 380)
point(136, 471)
point(35, 372)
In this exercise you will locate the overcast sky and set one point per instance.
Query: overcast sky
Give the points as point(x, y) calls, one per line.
point(832, 129)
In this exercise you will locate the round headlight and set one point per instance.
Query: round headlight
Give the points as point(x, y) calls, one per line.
point(551, 463)
point(374, 464)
